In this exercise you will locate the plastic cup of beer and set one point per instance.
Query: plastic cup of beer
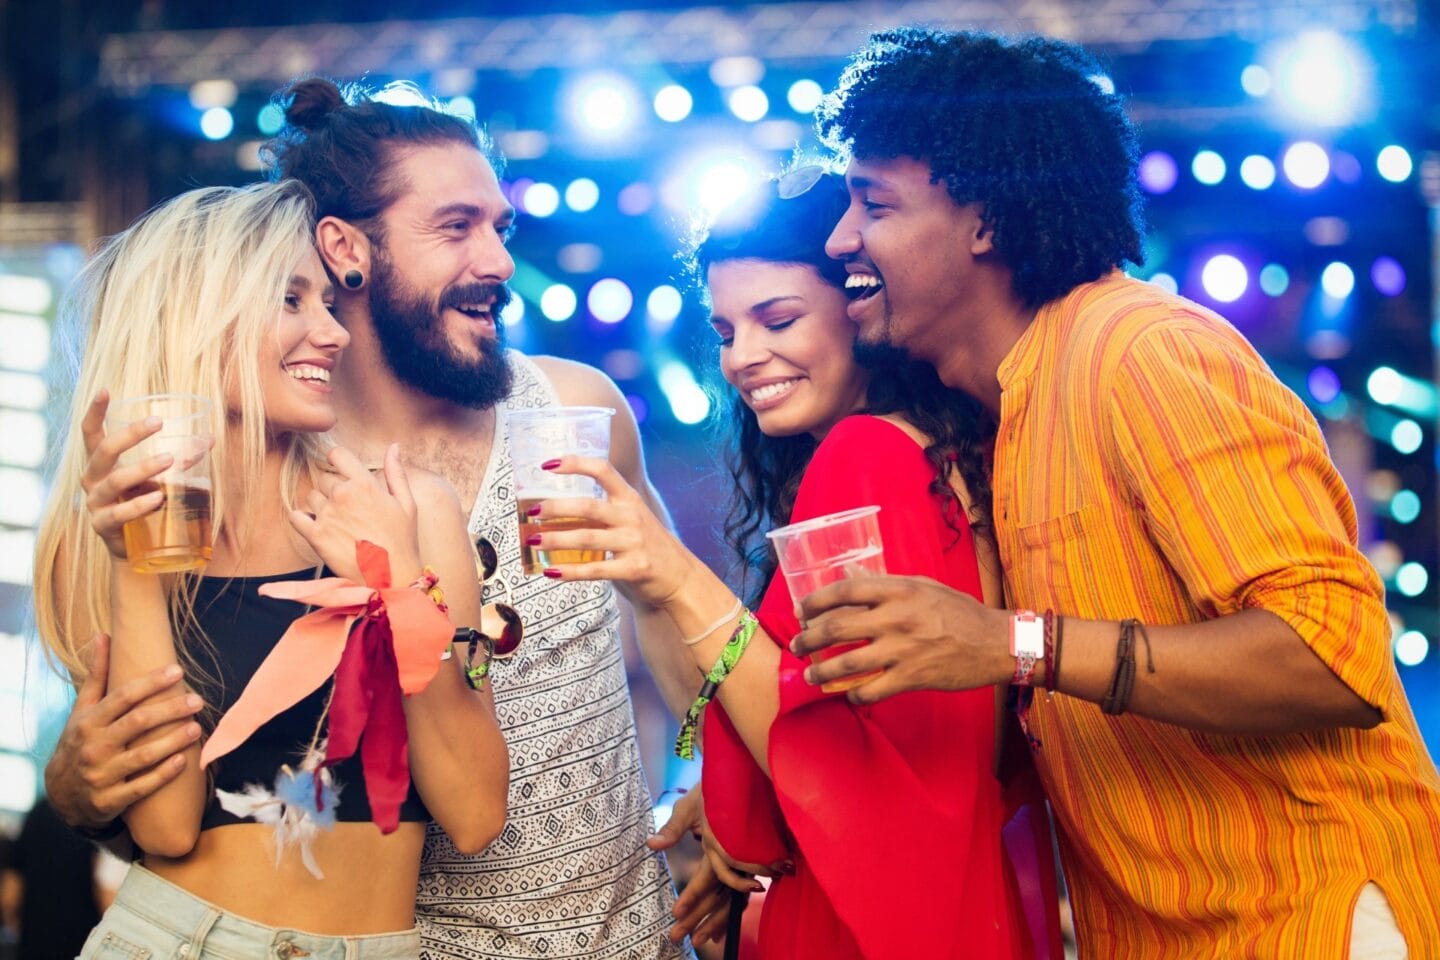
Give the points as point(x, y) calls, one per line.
point(543, 434)
point(175, 537)
point(824, 550)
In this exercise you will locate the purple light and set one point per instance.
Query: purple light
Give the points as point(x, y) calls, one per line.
point(1158, 172)
point(1388, 276)
point(1345, 167)
point(516, 192)
point(635, 199)
point(638, 406)
point(1324, 384)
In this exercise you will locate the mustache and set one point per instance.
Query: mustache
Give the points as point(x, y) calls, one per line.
point(498, 295)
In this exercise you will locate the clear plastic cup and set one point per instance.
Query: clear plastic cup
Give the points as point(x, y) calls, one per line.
point(824, 550)
point(547, 433)
point(177, 536)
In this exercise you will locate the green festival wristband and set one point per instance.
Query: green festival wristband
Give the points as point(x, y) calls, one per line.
point(734, 647)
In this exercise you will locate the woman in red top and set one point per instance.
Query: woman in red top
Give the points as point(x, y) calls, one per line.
point(890, 815)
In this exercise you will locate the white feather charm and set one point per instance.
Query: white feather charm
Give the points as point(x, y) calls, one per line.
point(290, 809)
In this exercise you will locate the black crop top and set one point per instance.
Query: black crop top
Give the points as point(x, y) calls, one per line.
point(241, 628)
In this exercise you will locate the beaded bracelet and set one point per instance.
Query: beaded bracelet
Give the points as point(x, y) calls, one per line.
point(734, 647)
point(428, 583)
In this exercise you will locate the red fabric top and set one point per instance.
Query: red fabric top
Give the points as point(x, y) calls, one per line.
point(891, 812)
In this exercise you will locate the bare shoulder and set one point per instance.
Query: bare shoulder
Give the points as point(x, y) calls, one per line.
point(434, 495)
point(578, 384)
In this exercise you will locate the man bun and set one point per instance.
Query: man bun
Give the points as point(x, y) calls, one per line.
point(310, 102)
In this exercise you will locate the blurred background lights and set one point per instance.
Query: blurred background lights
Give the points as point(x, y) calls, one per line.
point(1337, 280)
point(1257, 172)
point(1158, 172)
point(270, 119)
point(635, 199)
point(1165, 282)
point(673, 103)
point(205, 94)
point(687, 401)
point(1405, 506)
point(1412, 579)
point(1274, 279)
point(719, 184)
point(217, 123)
point(1388, 276)
point(1393, 389)
point(1406, 436)
point(1394, 163)
point(558, 302)
point(1255, 80)
point(749, 103)
point(1411, 648)
point(602, 104)
point(610, 300)
point(1208, 167)
point(513, 312)
point(804, 96)
point(401, 93)
point(1320, 78)
point(1224, 278)
point(582, 194)
point(729, 72)
point(1384, 385)
point(663, 306)
point(1323, 384)
point(1306, 164)
point(1103, 81)
point(461, 106)
point(541, 199)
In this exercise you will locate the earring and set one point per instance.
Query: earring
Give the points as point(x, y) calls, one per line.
point(354, 279)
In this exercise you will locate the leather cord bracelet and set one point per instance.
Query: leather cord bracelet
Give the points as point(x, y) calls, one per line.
point(1122, 682)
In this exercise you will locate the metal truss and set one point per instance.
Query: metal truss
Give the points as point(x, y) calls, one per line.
point(797, 33)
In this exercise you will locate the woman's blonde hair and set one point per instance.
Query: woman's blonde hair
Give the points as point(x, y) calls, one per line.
point(178, 303)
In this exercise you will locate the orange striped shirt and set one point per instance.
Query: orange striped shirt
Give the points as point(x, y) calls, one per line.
point(1150, 465)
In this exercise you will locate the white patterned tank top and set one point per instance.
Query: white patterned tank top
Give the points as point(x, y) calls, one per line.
point(570, 875)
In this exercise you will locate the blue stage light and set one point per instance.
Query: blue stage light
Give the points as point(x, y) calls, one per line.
point(688, 402)
point(749, 103)
point(558, 302)
point(610, 300)
point(217, 123)
point(673, 103)
point(1394, 163)
point(602, 105)
point(804, 96)
point(1306, 164)
point(1321, 78)
point(270, 119)
point(582, 194)
point(1257, 172)
point(1224, 278)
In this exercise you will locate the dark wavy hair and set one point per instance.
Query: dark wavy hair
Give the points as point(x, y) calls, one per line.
point(341, 142)
point(766, 470)
point(1021, 127)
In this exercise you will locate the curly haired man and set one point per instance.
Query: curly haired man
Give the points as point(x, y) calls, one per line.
point(1203, 654)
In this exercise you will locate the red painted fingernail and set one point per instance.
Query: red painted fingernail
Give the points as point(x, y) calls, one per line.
point(534, 511)
point(549, 464)
point(553, 574)
point(757, 887)
point(533, 540)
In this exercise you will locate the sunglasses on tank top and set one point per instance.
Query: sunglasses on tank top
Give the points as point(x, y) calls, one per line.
point(501, 628)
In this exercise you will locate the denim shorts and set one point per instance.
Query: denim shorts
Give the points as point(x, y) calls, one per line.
point(152, 919)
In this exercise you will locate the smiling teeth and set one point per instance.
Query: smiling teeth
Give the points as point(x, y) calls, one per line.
point(305, 371)
point(771, 390)
point(856, 280)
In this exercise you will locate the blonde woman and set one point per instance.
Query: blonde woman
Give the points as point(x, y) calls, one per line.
point(219, 293)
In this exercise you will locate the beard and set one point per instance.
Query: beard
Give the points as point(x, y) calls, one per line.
point(413, 342)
